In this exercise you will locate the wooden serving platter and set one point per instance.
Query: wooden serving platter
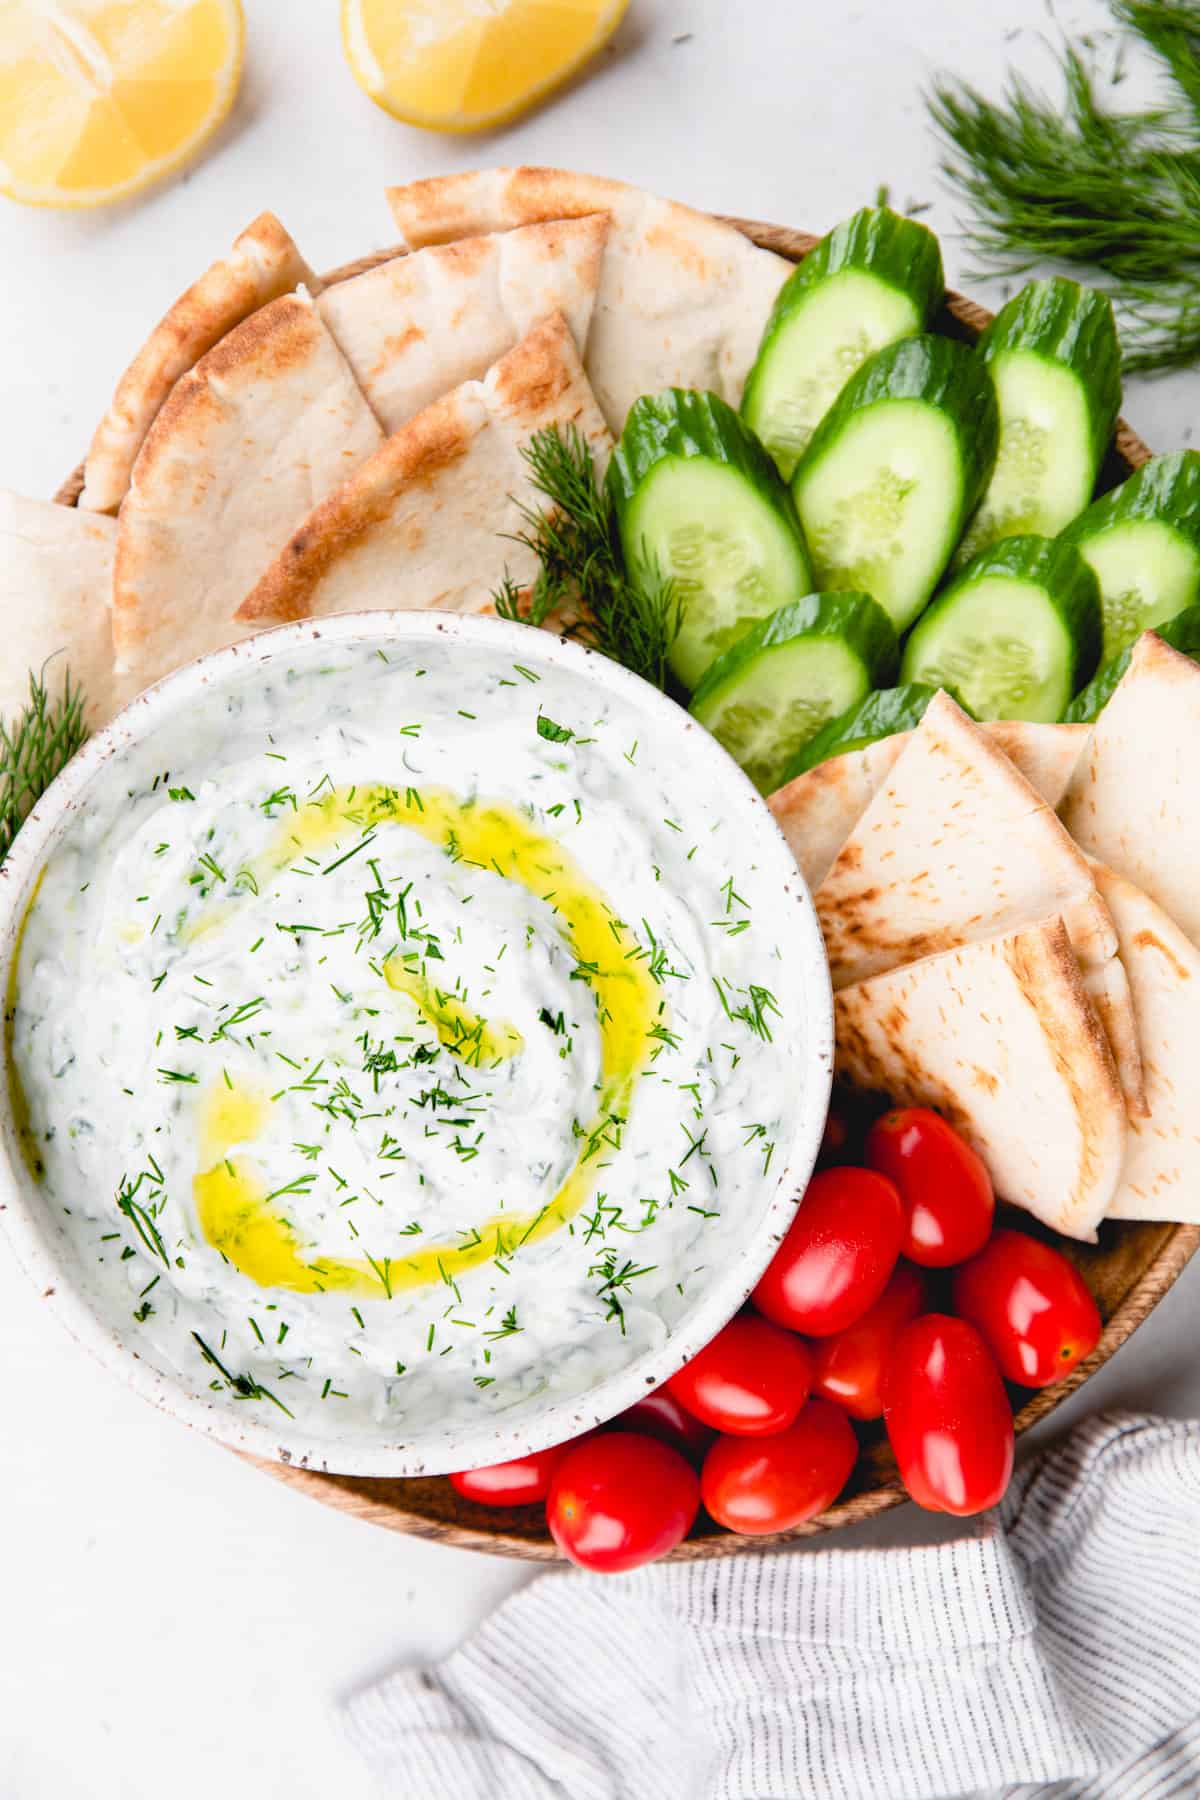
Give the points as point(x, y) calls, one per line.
point(1128, 1270)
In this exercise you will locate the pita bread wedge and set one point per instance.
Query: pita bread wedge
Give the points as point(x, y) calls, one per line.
point(420, 325)
point(263, 427)
point(1000, 1037)
point(262, 264)
point(422, 523)
point(819, 809)
point(683, 298)
point(1161, 1174)
point(55, 579)
point(1134, 800)
point(1044, 754)
point(955, 846)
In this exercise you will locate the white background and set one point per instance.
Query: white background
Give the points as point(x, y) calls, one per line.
point(176, 1623)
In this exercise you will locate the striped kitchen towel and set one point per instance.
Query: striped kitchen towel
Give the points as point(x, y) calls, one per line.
point(1054, 1656)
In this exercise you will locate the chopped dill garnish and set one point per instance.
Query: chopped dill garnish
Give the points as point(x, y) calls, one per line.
point(244, 1386)
point(554, 733)
point(579, 568)
point(507, 1327)
point(614, 1280)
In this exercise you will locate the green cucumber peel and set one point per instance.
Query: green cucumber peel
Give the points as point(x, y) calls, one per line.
point(882, 714)
point(950, 411)
point(1064, 322)
point(812, 345)
point(1143, 540)
point(998, 675)
point(787, 676)
point(699, 503)
point(1181, 632)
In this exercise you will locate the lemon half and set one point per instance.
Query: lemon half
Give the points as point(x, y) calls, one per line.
point(466, 65)
point(99, 98)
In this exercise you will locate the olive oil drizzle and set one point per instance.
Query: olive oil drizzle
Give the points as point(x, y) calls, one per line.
point(235, 1211)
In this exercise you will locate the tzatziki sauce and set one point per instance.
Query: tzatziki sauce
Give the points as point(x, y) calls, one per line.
point(401, 1034)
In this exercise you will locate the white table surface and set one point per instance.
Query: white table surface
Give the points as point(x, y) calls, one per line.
point(175, 1622)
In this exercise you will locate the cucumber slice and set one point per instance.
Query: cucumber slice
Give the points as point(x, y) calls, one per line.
point(880, 715)
point(1181, 632)
point(874, 279)
point(789, 675)
point(1015, 634)
point(1053, 357)
point(697, 499)
point(894, 469)
point(1143, 541)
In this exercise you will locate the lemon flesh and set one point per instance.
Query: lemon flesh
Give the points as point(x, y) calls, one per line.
point(99, 98)
point(467, 65)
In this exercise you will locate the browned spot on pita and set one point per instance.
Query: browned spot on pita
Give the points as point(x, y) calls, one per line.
point(275, 338)
point(467, 257)
point(431, 216)
point(1148, 940)
point(674, 236)
point(985, 1079)
point(533, 377)
point(535, 193)
point(400, 342)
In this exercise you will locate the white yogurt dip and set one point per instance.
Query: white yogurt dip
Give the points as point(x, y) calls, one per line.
point(403, 1034)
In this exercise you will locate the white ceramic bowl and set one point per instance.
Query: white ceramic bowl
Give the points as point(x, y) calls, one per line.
point(48, 1255)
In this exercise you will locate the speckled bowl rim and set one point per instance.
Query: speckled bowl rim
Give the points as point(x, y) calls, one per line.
point(532, 1427)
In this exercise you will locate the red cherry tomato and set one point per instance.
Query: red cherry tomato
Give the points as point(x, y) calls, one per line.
point(516, 1483)
point(751, 1380)
point(838, 1255)
point(659, 1415)
point(849, 1368)
point(945, 1186)
point(948, 1416)
point(619, 1500)
point(758, 1485)
point(1032, 1307)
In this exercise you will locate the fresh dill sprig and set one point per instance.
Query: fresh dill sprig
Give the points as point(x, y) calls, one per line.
point(245, 1387)
point(35, 747)
point(579, 568)
point(1114, 192)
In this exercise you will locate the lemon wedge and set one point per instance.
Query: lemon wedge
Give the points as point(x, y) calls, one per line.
point(99, 98)
point(467, 65)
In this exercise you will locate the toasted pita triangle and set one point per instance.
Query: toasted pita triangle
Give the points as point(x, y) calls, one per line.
point(954, 846)
point(420, 325)
point(424, 522)
point(263, 427)
point(55, 580)
point(1000, 1037)
point(262, 264)
point(1134, 800)
point(683, 298)
point(818, 810)
point(1160, 1178)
